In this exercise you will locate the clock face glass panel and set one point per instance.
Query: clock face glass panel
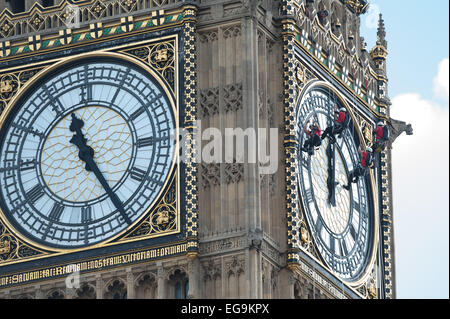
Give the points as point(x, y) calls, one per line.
point(48, 191)
point(341, 231)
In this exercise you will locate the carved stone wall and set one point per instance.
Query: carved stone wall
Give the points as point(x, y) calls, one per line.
point(241, 212)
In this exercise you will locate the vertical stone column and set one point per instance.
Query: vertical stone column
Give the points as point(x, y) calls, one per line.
point(70, 293)
point(252, 208)
point(379, 55)
point(286, 282)
point(99, 284)
point(194, 278)
point(39, 294)
point(131, 292)
point(161, 281)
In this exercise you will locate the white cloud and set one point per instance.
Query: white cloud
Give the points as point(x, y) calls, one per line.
point(441, 80)
point(421, 201)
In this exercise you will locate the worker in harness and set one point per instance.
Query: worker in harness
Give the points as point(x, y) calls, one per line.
point(337, 128)
point(314, 133)
point(381, 137)
point(363, 167)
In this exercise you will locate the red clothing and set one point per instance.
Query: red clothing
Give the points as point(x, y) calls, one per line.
point(341, 117)
point(379, 133)
point(364, 158)
point(315, 130)
point(318, 131)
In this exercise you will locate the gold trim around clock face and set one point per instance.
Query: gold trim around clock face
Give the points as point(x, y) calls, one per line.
point(174, 104)
point(375, 237)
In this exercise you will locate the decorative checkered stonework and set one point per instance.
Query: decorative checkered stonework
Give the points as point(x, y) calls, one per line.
point(290, 144)
point(190, 111)
point(386, 224)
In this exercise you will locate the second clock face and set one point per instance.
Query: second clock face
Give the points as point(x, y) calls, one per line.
point(86, 153)
point(341, 228)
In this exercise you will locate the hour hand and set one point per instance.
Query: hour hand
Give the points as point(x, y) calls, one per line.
point(331, 181)
point(86, 154)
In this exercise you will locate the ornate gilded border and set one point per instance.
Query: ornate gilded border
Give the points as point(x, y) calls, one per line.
point(307, 243)
point(296, 78)
point(14, 248)
point(96, 32)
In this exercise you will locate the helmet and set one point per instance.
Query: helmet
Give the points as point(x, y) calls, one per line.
point(369, 149)
point(380, 123)
point(342, 109)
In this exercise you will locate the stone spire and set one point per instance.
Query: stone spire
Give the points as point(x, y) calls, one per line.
point(381, 34)
point(379, 52)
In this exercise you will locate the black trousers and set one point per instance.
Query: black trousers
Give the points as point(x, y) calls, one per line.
point(356, 174)
point(331, 131)
point(313, 141)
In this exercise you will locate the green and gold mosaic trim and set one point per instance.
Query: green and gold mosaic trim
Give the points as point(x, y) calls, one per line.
point(96, 31)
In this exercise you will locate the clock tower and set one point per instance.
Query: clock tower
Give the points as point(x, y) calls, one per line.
point(110, 113)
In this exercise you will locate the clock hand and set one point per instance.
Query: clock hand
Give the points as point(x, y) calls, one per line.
point(331, 181)
point(86, 154)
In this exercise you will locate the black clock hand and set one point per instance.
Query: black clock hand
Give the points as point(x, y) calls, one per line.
point(331, 181)
point(86, 154)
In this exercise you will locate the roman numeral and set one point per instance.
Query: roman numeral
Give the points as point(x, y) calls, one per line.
point(357, 207)
point(144, 142)
point(35, 193)
point(309, 195)
point(137, 174)
point(318, 225)
point(304, 160)
point(28, 130)
point(56, 212)
point(332, 244)
point(343, 247)
point(353, 232)
point(86, 214)
point(137, 113)
point(27, 165)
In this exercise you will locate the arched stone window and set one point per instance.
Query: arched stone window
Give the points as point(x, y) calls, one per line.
point(55, 294)
point(86, 291)
point(116, 289)
point(146, 286)
point(178, 284)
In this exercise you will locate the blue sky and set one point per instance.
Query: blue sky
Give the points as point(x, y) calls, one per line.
point(417, 35)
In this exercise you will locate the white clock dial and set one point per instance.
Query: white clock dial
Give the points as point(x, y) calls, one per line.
point(341, 228)
point(85, 153)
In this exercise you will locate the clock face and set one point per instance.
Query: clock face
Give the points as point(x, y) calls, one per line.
point(341, 227)
point(85, 153)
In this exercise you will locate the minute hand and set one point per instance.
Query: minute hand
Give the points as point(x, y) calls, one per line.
point(331, 182)
point(86, 154)
point(114, 198)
